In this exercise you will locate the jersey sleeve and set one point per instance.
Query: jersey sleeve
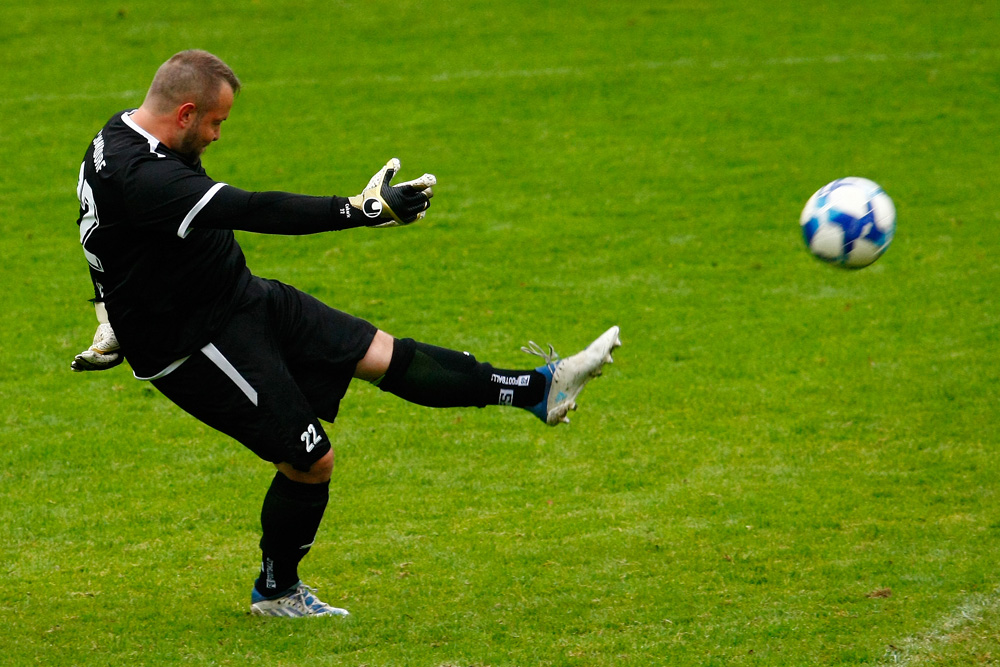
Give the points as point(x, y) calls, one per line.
point(166, 193)
point(276, 212)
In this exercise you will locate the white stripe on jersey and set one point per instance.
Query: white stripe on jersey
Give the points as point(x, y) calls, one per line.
point(184, 229)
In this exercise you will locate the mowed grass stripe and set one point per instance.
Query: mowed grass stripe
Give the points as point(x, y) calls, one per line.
point(573, 71)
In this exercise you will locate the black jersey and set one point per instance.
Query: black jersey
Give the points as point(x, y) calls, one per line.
point(157, 233)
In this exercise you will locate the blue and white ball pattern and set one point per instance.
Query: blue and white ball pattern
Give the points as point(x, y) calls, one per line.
point(849, 222)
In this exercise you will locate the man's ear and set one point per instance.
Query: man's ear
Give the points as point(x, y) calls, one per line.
point(185, 114)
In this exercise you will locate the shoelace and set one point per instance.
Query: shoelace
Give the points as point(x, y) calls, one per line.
point(550, 357)
point(309, 600)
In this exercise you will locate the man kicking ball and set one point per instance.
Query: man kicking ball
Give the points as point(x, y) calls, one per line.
point(258, 359)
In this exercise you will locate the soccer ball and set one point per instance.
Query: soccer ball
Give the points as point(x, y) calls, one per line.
point(849, 222)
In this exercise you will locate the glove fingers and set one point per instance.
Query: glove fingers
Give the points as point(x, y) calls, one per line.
point(384, 176)
point(418, 205)
point(88, 360)
point(80, 364)
point(422, 183)
point(388, 174)
point(411, 194)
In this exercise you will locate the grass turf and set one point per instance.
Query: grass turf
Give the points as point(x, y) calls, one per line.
point(788, 464)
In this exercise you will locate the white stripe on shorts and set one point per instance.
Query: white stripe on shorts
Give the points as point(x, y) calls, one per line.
point(166, 371)
point(219, 360)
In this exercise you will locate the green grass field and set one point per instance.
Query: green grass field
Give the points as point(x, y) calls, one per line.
point(788, 464)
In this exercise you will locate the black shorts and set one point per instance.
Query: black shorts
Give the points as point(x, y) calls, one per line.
point(282, 363)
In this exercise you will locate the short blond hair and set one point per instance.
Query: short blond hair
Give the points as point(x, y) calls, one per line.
point(190, 76)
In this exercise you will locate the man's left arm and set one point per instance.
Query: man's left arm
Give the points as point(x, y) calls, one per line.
point(380, 204)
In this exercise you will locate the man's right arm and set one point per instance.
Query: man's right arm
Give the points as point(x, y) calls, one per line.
point(104, 352)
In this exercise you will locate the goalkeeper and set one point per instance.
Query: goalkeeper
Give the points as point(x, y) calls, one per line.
point(258, 359)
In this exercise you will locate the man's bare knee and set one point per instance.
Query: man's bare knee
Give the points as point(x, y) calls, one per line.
point(376, 361)
point(319, 473)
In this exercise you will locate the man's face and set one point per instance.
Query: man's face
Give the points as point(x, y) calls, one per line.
point(206, 125)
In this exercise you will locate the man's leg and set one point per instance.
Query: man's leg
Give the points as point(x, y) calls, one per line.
point(290, 517)
point(281, 364)
point(440, 378)
point(437, 377)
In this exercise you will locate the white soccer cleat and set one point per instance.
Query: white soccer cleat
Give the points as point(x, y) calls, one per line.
point(566, 378)
point(297, 602)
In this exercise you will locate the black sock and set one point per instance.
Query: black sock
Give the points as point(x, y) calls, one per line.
point(442, 378)
point(289, 518)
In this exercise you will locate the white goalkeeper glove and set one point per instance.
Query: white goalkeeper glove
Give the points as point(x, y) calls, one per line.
point(392, 206)
point(104, 352)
